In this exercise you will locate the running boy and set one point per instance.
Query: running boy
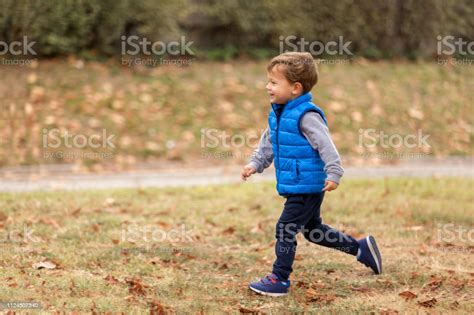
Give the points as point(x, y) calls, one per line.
point(307, 165)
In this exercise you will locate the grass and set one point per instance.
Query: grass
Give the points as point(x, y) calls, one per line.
point(111, 253)
point(159, 113)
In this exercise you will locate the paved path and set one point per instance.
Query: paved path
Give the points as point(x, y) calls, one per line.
point(60, 177)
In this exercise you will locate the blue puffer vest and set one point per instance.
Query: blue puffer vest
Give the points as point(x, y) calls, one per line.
point(299, 168)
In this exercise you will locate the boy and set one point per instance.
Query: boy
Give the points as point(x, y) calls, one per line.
point(307, 165)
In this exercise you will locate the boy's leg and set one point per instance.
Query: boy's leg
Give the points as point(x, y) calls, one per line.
point(294, 216)
point(317, 232)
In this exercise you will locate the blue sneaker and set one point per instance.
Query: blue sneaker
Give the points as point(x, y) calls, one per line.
point(271, 286)
point(369, 254)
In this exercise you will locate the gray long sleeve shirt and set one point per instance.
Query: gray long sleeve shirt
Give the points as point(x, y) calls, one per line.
point(317, 133)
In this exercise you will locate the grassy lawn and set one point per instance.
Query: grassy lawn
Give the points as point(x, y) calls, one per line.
point(197, 249)
point(160, 113)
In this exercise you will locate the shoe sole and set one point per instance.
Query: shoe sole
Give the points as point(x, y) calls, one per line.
point(267, 293)
point(374, 251)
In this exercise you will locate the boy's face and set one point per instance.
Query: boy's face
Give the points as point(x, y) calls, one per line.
point(279, 88)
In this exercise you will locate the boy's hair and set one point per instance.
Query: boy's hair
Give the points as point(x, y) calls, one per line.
point(298, 67)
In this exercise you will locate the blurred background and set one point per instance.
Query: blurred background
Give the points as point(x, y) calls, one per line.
point(181, 83)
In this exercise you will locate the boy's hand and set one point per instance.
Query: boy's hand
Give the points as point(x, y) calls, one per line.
point(329, 185)
point(247, 171)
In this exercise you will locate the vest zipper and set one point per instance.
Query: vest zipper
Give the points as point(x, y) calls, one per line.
point(278, 115)
point(277, 140)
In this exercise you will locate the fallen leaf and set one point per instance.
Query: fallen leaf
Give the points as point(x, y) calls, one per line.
point(223, 266)
point(156, 308)
point(210, 222)
point(416, 227)
point(336, 106)
point(44, 265)
point(301, 284)
point(3, 217)
point(109, 202)
point(95, 227)
point(415, 113)
point(129, 298)
point(51, 222)
point(388, 311)
point(163, 224)
point(111, 279)
point(311, 293)
point(76, 212)
point(356, 116)
point(257, 228)
point(136, 286)
point(434, 284)
point(428, 303)
point(229, 230)
point(247, 310)
point(408, 295)
point(313, 296)
point(183, 254)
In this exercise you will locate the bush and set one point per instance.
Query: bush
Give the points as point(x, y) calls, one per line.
point(72, 26)
point(377, 29)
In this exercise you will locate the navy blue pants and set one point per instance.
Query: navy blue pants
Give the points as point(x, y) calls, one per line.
point(302, 214)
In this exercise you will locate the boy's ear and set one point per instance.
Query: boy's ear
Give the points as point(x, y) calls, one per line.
point(297, 88)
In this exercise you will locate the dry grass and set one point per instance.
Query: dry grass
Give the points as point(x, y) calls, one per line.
point(103, 265)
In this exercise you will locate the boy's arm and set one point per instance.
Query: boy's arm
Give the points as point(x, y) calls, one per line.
point(262, 157)
point(317, 134)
